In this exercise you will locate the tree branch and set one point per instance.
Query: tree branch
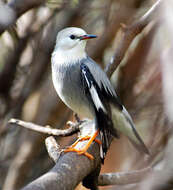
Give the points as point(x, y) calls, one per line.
point(47, 130)
point(123, 178)
point(126, 36)
point(66, 174)
point(53, 148)
point(118, 178)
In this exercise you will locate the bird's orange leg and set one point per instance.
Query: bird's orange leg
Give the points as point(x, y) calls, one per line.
point(88, 137)
point(84, 149)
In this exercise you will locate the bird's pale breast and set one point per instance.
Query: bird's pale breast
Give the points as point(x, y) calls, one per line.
point(68, 85)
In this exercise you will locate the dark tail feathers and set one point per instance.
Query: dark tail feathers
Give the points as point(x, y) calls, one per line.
point(105, 125)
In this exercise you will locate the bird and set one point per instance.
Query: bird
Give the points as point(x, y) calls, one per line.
point(85, 88)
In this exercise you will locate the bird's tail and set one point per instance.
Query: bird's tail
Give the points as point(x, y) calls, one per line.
point(123, 123)
point(105, 125)
point(105, 139)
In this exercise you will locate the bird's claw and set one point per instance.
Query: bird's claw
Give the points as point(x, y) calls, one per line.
point(84, 149)
point(81, 138)
point(79, 152)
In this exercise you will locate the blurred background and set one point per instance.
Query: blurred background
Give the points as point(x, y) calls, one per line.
point(143, 80)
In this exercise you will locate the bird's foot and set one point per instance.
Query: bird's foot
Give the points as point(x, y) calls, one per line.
point(84, 149)
point(88, 138)
point(79, 152)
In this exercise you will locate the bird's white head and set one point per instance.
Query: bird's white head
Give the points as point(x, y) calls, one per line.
point(71, 42)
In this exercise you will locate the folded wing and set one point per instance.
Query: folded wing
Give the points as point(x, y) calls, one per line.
point(111, 115)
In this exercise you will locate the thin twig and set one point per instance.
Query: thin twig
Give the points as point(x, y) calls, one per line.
point(46, 130)
point(53, 148)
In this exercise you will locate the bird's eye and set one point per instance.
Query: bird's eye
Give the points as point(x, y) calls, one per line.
point(72, 37)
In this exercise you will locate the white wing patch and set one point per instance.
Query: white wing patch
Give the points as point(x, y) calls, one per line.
point(96, 99)
point(94, 95)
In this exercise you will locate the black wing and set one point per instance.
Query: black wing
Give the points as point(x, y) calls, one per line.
point(97, 96)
